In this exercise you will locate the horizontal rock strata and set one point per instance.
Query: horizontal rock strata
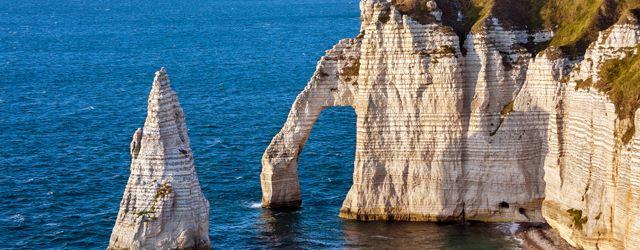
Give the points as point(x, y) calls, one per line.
point(592, 192)
point(163, 206)
point(485, 126)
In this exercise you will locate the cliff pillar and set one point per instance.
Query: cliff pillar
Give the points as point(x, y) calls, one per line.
point(163, 206)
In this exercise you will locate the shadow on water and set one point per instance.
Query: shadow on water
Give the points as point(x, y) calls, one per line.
point(285, 229)
point(279, 228)
point(426, 235)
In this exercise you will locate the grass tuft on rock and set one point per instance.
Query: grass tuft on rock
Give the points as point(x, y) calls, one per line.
point(584, 84)
point(576, 218)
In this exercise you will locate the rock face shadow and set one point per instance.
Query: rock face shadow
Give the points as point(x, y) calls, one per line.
point(505, 180)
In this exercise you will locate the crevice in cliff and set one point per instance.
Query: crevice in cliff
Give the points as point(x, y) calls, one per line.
point(523, 212)
point(463, 214)
point(621, 126)
point(506, 110)
point(560, 96)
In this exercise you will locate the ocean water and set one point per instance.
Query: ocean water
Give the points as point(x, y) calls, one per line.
point(74, 79)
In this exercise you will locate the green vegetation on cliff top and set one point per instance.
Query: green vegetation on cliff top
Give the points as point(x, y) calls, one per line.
point(576, 23)
point(620, 81)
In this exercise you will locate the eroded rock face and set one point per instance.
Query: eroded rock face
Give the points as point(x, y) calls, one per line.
point(497, 133)
point(163, 206)
point(592, 194)
point(427, 120)
point(410, 82)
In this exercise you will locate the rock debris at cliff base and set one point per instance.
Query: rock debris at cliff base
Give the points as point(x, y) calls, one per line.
point(541, 237)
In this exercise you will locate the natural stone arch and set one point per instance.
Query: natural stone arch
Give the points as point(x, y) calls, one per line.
point(334, 83)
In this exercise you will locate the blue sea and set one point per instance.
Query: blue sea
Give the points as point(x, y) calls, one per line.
point(74, 81)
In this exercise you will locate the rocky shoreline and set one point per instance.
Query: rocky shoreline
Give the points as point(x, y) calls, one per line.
point(541, 236)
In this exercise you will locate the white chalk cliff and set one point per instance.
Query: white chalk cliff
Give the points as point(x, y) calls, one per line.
point(163, 206)
point(482, 130)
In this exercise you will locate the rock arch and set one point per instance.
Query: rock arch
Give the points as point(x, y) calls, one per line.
point(334, 83)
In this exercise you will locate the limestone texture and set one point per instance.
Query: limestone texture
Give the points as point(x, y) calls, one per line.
point(592, 194)
point(163, 206)
point(480, 127)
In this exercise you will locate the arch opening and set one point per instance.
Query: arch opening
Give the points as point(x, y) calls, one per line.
point(326, 162)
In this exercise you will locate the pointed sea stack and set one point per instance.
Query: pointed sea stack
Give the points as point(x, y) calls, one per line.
point(163, 205)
